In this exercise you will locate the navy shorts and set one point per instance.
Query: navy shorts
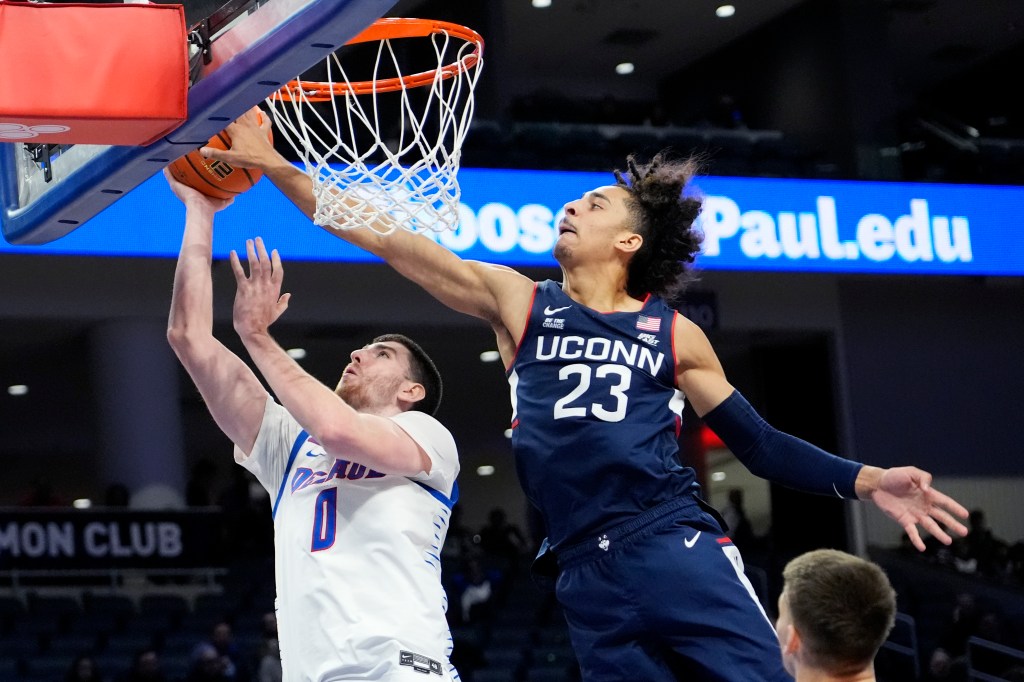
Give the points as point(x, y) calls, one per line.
point(663, 597)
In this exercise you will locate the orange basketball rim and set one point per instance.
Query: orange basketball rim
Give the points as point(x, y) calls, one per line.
point(386, 29)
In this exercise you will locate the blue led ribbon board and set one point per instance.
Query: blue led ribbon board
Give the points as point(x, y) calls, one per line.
point(250, 58)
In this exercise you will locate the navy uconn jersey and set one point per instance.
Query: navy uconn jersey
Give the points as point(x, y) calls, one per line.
point(596, 413)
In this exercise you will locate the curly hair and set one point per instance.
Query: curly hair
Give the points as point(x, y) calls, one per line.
point(664, 217)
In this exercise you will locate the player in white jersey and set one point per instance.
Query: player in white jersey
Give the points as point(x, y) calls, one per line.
point(361, 479)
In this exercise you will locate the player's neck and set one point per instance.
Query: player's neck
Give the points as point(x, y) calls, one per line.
point(804, 674)
point(601, 289)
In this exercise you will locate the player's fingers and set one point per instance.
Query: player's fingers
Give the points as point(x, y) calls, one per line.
point(275, 261)
point(214, 153)
point(254, 263)
point(948, 520)
point(264, 120)
point(236, 266)
point(282, 303)
point(261, 253)
point(915, 537)
point(948, 503)
point(929, 524)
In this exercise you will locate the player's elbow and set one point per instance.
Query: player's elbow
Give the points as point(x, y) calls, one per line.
point(188, 343)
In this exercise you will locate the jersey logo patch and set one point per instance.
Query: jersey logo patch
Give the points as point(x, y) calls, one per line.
point(603, 542)
point(690, 542)
point(548, 310)
point(554, 323)
point(419, 663)
point(647, 323)
point(649, 339)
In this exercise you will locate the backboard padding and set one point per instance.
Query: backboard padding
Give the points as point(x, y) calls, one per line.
point(250, 59)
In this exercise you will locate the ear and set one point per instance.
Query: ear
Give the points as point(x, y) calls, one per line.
point(412, 392)
point(629, 242)
point(792, 641)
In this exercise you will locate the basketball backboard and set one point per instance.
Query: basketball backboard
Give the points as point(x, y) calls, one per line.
point(253, 55)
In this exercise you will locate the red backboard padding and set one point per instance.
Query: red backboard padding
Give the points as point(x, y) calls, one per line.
point(92, 74)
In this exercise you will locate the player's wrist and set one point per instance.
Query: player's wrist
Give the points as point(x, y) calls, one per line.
point(868, 481)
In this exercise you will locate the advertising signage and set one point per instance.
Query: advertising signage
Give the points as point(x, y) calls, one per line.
point(62, 539)
point(511, 217)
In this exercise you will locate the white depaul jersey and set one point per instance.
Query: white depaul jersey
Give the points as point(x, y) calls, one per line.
point(357, 555)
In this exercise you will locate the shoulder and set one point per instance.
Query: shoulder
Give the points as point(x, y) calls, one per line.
point(429, 433)
point(439, 444)
point(690, 343)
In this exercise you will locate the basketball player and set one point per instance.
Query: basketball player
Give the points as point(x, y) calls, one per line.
point(599, 366)
point(362, 478)
point(834, 613)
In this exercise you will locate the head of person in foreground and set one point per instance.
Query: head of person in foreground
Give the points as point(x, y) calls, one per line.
point(835, 611)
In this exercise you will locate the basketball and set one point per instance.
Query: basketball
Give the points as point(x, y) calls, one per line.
point(213, 178)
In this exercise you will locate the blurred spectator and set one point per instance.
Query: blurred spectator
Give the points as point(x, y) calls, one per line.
point(503, 542)
point(458, 543)
point(962, 560)
point(208, 665)
point(83, 669)
point(146, 667)
point(223, 640)
point(949, 660)
point(269, 667)
point(961, 625)
point(477, 591)
point(943, 668)
point(735, 515)
point(268, 656)
point(269, 626)
point(981, 546)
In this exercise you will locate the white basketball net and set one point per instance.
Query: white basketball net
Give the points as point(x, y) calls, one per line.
point(368, 172)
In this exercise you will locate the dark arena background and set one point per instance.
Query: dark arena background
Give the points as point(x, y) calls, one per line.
point(128, 537)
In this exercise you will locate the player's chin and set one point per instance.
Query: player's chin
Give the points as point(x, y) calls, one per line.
point(562, 252)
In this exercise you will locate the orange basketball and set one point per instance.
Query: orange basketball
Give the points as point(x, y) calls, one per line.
point(214, 178)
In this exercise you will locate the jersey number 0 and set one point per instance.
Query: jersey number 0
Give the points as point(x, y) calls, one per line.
point(325, 519)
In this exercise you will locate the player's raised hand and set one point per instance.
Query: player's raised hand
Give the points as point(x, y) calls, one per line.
point(906, 495)
point(258, 300)
point(251, 145)
point(193, 197)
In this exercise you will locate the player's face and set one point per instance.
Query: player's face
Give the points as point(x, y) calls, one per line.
point(375, 376)
point(784, 631)
point(592, 223)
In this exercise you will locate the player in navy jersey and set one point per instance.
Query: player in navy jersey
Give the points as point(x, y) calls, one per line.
point(361, 479)
point(599, 366)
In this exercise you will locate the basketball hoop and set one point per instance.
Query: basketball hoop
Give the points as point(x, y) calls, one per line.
point(373, 167)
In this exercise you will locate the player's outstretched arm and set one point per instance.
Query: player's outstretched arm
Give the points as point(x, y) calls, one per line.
point(904, 493)
point(234, 396)
point(371, 440)
point(494, 293)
